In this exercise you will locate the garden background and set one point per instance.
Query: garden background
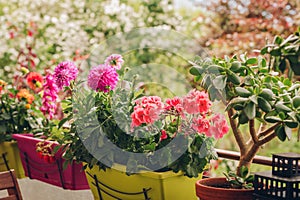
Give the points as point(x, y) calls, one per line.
point(39, 34)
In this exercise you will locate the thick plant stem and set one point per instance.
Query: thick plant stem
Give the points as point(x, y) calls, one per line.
point(237, 133)
point(247, 158)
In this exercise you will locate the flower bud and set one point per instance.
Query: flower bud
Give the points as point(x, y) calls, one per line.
point(38, 84)
point(24, 70)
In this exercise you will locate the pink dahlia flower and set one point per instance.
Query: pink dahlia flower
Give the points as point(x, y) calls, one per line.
point(103, 78)
point(49, 96)
point(65, 72)
point(115, 61)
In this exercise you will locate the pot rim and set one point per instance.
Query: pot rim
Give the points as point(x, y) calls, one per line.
point(202, 183)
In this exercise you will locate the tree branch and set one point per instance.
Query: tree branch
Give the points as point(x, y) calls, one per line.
point(236, 132)
point(252, 131)
point(267, 139)
point(262, 128)
point(269, 130)
point(269, 134)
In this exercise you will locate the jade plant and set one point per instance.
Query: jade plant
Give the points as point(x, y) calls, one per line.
point(267, 103)
point(284, 53)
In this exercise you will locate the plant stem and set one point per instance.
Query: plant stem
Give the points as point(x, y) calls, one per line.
point(236, 132)
point(269, 130)
point(252, 131)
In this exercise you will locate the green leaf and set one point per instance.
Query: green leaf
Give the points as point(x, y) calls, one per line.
point(251, 61)
point(250, 110)
point(253, 98)
point(264, 50)
point(235, 66)
point(293, 87)
point(267, 94)
point(291, 124)
point(196, 71)
point(232, 77)
point(244, 171)
point(220, 82)
point(278, 40)
point(242, 92)
point(280, 133)
point(264, 105)
point(275, 52)
point(296, 101)
point(215, 69)
point(243, 119)
point(272, 119)
point(61, 123)
point(281, 107)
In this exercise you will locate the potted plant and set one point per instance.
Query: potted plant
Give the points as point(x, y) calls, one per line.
point(261, 100)
point(42, 159)
point(19, 113)
point(117, 132)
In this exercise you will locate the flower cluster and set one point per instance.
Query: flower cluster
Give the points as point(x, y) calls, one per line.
point(190, 113)
point(19, 108)
point(64, 73)
point(143, 125)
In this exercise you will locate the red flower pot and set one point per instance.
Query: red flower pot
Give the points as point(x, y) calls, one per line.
point(215, 189)
point(49, 169)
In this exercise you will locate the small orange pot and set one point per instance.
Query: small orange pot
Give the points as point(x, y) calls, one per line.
point(207, 189)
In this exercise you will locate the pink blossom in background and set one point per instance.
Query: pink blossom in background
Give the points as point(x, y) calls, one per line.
point(147, 110)
point(219, 127)
point(65, 72)
point(196, 102)
point(201, 125)
point(49, 97)
point(103, 78)
point(115, 61)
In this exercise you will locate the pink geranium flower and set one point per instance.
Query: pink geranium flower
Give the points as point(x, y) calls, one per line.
point(103, 78)
point(201, 125)
point(175, 104)
point(147, 110)
point(196, 102)
point(65, 72)
point(219, 127)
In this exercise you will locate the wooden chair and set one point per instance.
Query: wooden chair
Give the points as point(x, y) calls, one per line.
point(9, 182)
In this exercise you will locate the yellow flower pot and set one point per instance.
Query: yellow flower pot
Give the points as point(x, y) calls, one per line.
point(158, 185)
point(11, 151)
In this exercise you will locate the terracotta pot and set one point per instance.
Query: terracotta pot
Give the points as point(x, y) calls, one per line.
point(205, 190)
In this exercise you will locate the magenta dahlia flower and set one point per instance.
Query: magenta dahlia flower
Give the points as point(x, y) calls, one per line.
point(103, 78)
point(49, 97)
point(65, 72)
point(115, 61)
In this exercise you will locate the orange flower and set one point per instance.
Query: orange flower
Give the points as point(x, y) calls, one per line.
point(35, 81)
point(27, 106)
point(24, 94)
point(2, 84)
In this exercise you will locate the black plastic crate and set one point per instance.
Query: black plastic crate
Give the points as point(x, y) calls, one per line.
point(286, 164)
point(269, 186)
